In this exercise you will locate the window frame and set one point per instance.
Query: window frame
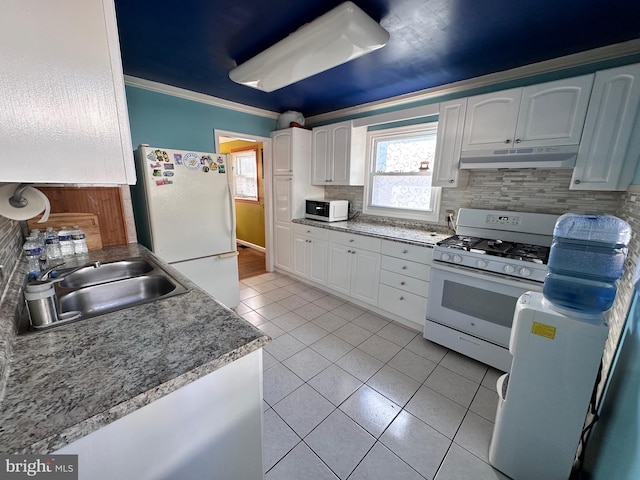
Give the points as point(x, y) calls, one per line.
point(244, 199)
point(436, 192)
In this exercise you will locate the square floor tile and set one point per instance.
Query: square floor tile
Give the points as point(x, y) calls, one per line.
point(248, 292)
point(380, 348)
point(288, 321)
point(436, 410)
point(415, 366)
point(242, 308)
point(310, 311)
point(312, 294)
point(270, 329)
point(429, 350)
point(258, 301)
point(265, 287)
point(465, 366)
point(284, 346)
point(304, 409)
point(300, 463)
point(460, 464)
point(253, 317)
point(352, 334)
point(485, 403)
point(272, 311)
point(456, 387)
point(306, 363)
point(329, 321)
point(370, 410)
point(309, 333)
point(382, 464)
point(347, 311)
point(296, 288)
point(278, 293)
point(340, 442)
point(397, 334)
point(371, 321)
point(328, 302)
point(331, 347)
point(284, 281)
point(335, 384)
point(293, 302)
point(251, 281)
point(360, 364)
point(491, 377)
point(277, 439)
point(474, 435)
point(278, 382)
point(415, 442)
point(268, 361)
point(394, 385)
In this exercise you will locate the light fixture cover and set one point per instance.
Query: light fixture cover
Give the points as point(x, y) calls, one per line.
point(338, 36)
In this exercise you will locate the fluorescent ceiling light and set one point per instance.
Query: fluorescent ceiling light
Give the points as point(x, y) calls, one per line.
point(338, 36)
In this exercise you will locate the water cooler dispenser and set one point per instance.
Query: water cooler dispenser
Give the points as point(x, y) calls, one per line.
point(557, 341)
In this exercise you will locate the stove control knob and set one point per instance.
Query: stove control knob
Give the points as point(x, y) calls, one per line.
point(525, 272)
point(446, 257)
point(509, 269)
point(457, 259)
point(481, 263)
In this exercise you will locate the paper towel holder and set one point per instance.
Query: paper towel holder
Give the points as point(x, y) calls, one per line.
point(17, 200)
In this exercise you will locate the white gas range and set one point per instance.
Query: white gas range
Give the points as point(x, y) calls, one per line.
point(477, 277)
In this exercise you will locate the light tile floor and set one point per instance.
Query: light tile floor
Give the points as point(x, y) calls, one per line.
point(351, 395)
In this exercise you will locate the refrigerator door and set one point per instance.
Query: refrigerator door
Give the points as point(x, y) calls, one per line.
point(190, 205)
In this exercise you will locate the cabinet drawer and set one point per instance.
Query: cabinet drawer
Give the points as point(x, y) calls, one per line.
point(404, 304)
point(405, 283)
point(405, 267)
point(307, 231)
point(410, 252)
point(357, 241)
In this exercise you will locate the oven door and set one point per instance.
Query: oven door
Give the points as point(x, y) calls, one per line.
point(475, 302)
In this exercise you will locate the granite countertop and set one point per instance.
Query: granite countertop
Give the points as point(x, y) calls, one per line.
point(415, 234)
point(63, 383)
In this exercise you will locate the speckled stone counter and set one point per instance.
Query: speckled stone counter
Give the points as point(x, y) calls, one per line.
point(68, 381)
point(406, 234)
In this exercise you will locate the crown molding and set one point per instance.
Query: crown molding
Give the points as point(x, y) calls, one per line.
point(196, 97)
point(609, 52)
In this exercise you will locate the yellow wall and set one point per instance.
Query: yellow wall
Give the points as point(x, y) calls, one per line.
point(249, 216)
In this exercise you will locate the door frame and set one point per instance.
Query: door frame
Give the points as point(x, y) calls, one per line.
point(268, 195)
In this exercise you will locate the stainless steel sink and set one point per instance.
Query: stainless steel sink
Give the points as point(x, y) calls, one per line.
point(98, 288)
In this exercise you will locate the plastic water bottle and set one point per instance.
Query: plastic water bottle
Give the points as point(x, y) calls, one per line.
point(586, 259)
point(38, 237)
point(32, 252)
point(79, 241)
point(52, 245)
point(66, 243)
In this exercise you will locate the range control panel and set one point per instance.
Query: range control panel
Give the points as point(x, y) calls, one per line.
point(503, 219)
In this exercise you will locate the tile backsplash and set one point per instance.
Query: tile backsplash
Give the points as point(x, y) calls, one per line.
point(10, 247)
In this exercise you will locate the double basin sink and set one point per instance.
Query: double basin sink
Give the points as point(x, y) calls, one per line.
point(98, 288)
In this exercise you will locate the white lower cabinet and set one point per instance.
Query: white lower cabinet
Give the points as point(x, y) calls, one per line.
point(354, 266)
point(310, 252)
point(404, 280)
point(282, 237)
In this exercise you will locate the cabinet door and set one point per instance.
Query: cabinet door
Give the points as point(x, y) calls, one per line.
point(318, 253)
point(553, 113)
point(449, 143)
point(321, 156)
point(300, 255)
point(282, 190)
point(339, 277)
point(340, 154)
point(491, 120)
point(608, 154)
point(365, 276)
point(64, 114)
point(282, 152)
point(282, 237)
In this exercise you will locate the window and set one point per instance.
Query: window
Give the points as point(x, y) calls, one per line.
point(399, 173)
point(246, 174)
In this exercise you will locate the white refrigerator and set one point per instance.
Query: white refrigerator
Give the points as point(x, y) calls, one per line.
point(184, 211)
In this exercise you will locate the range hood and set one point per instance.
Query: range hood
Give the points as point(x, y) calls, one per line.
point(523, 157)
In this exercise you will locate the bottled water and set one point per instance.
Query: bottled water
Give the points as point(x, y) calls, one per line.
point(66, 243)
point(52, 245)
point(587, 257)
point(79, 241)
point(32, 252)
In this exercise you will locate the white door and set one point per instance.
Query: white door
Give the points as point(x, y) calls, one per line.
point(318, 253)
point(282, 192)
point(339, 277)
point(282, 237)
point(282, 153)
point(217, 275)
point(448, 143)
point(340, 154)
point(300, 255)
point(365, 276)
point(491, 120)
point(321, 156)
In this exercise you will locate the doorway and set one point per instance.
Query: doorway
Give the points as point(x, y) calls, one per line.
point(250, 159)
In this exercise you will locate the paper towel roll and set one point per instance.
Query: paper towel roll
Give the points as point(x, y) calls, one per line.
point(36, 203)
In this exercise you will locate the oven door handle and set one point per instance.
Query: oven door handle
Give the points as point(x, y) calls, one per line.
point(483, 275)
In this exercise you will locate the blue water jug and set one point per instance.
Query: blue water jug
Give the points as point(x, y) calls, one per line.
point(587, 257)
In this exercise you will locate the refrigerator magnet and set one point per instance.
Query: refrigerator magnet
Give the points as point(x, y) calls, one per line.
point(191, 161)
point(157, 172)
point(177, 158)
point(167, 173)
point(168, 166)
point(205, 169)
point(165, 156)
point(158, 154)
point(151, 156)
point(221, 169)
point(214, 166)
point(155, 165)
point(220, 159)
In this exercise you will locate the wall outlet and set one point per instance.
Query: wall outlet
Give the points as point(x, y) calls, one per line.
point(450, 214)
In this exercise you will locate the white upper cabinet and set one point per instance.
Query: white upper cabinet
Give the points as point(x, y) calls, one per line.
point(338, 152)
point(541, 115)
point(446, 170)
point(610, 148)
point(63, 112)
point(288, 144)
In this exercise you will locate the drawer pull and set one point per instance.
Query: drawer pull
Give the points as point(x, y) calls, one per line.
point(351, 239)
point(401, 283)
point(405, 251)
point(401, 298)
point(404, 267)
point(469, 341)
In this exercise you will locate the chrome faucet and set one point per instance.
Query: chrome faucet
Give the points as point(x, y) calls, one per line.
point(44, 276)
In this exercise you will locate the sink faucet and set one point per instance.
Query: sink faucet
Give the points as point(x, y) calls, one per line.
point(45, 275)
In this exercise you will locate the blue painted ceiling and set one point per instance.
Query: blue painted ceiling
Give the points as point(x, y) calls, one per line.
point(193, 44)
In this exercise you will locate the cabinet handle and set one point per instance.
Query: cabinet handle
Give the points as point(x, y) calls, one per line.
point(351, 240)
point(518, 140)
point(401, 283)
point(405, 251)
point(451, 181)
point(353, 251)
point(404, 267)
point(576, 182)
point(401, 298)
point(308, 231)
point(348, 251)
point(508, 140)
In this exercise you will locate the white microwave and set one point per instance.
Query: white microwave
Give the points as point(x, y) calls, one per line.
point(326, 210)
